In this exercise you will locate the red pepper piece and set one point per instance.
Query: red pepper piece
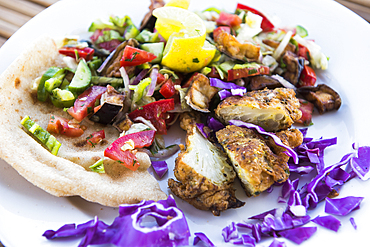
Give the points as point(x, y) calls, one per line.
point(234, 74)
point(127, 157)
point(308, 77)
point(168, 89)
point(133, 56)
point(227, 19)
point(266, 24)
point(155, 112)
point(84, 104)
point(307, 110)
point(95, 138)
point(87, 53)
point(303, 52)
point(60, 125)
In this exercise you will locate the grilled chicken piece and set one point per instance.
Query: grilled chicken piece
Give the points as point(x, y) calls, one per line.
point(322, 96)
point(205, 176)
point(229, 45)
point(272, 110)
point(258, 161)
point(200, 93)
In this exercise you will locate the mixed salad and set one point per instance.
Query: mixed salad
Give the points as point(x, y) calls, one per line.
point(140, 80)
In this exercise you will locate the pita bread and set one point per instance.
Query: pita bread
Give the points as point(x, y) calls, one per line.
point(66, 174)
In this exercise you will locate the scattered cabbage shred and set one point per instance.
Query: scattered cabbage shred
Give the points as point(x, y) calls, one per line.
point(128, 229)
point(284, 222)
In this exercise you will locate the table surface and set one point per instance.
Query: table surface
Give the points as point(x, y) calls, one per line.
point(15, 13)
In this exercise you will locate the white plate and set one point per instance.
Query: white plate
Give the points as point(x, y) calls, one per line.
point(26, 211)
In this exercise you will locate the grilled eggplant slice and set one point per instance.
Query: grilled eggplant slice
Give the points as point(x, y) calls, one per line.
point(111, 66)
point(204, 174)
point(272, 110)
point(112, 104)
point(258, 161)
point(323, 97)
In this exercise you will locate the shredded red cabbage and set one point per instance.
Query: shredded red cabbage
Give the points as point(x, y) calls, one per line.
point(160, 167)
point(214, 124)
point(248, 240)
point(201, 129)
point(352, 220)
point(277, 243)
point(223, 94)
point(290, 152)
point(230, 232)
point(361, 163)
point(128, 229)
point(342, 206)
point(215, 82)
point(200, 236)
point(298, 235)
point(289, 222)
point(311, 153)
point(329, 222)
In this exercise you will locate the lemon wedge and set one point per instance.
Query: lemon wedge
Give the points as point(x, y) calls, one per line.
point(173, 19)
point(181, 56)
point(178, 3)
point(187, 49)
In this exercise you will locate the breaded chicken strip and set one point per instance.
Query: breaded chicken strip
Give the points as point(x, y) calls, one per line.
point(204, 174)
point(258, 161)
point(273, 110)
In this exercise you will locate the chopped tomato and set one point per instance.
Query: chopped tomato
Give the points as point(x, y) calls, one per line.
point(156, 113)
point(60, 125)
point(227, 19)
point(87, 53)
point(84, 104)
point(95, 138)
point(303, 52)
point(214, 73)
point(133, 56)
point(266, 24)
point(168, 89)
point(308, 77)
point(234, 74)
point(126, 156)
point(307, 110)
point(160, 78)
point(218, 30)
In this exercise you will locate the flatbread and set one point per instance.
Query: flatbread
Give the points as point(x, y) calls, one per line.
point(66, 174)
